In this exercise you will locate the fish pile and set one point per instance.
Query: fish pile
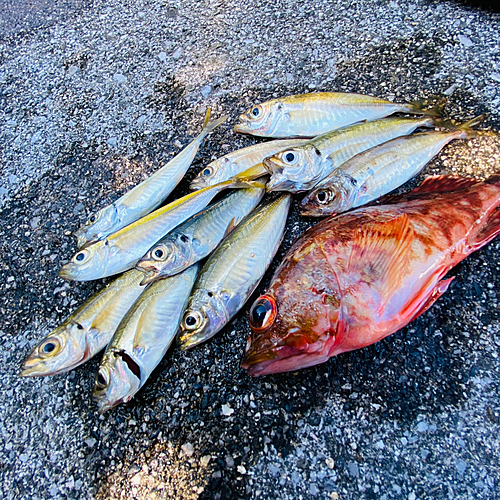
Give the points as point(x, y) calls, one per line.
point(185, 269)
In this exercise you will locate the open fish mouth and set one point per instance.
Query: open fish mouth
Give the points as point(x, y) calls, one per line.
point(278, 184)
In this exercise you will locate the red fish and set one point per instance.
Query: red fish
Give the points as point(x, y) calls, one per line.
point(354, 279)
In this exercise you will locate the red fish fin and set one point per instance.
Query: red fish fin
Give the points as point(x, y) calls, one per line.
point(490, 229)
point(439, 289)
point(380, 253)
point(444, 184)
point(436, 292)
point(493, 179)
point(432, 185)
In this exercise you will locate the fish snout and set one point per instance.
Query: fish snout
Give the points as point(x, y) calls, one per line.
point(66, 272)
point(243, 127)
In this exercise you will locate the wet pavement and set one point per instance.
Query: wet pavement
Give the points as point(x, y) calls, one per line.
point(95, 96)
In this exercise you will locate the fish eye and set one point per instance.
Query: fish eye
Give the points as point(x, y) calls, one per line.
point(263, 312)
point(102, 379)
point(256, 111)
point(192, 320)
point(290, 157)
point(207, 172)
point(323, 196)
point(158, 254)
point(51, 346)
point(81, 256)
point(92, 218)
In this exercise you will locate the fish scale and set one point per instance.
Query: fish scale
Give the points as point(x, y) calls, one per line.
point(121, 250)
point(309, 115)
point(142, 339)
point(87, 331)
point(234, 163)
point(146, 196)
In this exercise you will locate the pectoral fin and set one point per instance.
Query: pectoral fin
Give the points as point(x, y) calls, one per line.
point(379, 255)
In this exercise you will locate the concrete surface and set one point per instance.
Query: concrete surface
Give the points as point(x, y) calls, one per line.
point(94, 97)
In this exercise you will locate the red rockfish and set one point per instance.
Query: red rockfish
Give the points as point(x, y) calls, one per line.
point(354, 279)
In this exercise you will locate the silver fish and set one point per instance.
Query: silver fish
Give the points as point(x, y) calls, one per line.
point(198, 236)
point(122, 250)
point(88, 330)
point(238, 161)
point(233, 272)
point(146, 196)
point(300, 168)
point(379, 170)
point(142, 339)
point(309, 115)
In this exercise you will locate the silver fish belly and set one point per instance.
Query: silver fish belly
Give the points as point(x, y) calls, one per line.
point(121, 250)
point(376, 172)
point(309, 115)
point(238, 161)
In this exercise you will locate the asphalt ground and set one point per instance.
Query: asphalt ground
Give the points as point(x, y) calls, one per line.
point(94, 96)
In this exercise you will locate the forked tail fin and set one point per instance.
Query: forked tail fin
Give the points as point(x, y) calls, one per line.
point(433, 106)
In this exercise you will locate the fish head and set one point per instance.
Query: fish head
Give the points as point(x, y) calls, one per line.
point(63, 349)
point(262, 119)
point(212, 174)
point(88, 263)
point(328, 199)
point(294, 169)
point(298, 321)
point(117, 381)
point(203, 318)
point(165, 259)
point(98, 224)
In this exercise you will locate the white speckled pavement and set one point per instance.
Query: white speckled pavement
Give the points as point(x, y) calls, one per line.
point(94, 96)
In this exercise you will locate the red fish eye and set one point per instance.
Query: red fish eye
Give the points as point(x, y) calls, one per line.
point(263, 312)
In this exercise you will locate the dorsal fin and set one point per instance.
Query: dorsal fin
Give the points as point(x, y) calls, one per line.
point(379, 254)
point(444, 184)
point(432, 185)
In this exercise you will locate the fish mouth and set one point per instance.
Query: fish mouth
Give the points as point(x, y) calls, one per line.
point(65, 273)
point(241, 127)
point(278, 184)
point(268, 361)
point(285, 359)
point(197, 184)
point(187, 341)
point(150, 274)
point(30, 368)
point(104, 405)
point(149, 278)
point(314, 212)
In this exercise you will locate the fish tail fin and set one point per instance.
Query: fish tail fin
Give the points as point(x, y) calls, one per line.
point(208, 125)
point(433, 106)
point(463, 130)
